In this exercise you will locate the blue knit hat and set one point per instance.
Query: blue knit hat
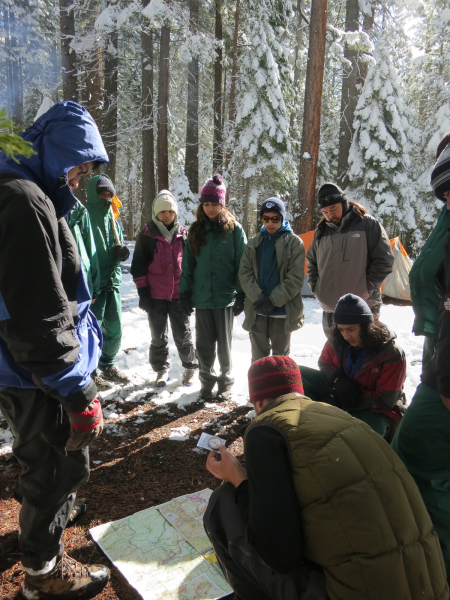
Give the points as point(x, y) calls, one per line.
point(273, 204)
point(352, 310)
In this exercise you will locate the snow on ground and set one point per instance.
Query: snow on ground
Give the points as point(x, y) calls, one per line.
point(306, 346)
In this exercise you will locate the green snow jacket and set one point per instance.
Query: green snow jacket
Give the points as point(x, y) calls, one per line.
point(421, 279)
point(212, 276)
point(100, 216)
point(291, 264)
point(80, 226)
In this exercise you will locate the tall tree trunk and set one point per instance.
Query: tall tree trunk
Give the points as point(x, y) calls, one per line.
point(163, 109)
point(111, 67)
point(368, 28)
point(232, 107)
point(16, 73)
point(148, 150)
point(309, 152)
point(68, 56)
point(298, 46)
point(217, 139)
point(130, 228)
point(350, 94)
point(245, 220)
point(191, 161)
point(94, 72)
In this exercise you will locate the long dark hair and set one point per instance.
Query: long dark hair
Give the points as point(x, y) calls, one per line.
point(374, 336)
point(197, 238)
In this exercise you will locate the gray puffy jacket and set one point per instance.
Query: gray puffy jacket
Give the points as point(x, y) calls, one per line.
point(353, 257)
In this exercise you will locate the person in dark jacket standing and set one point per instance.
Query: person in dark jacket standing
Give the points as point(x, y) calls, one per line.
point(271, 275)
point(350, 254)
point(422, 439)
point(422, 275)
point(156, 270)
point(111, 252)
point(210, 284)
point(49, 345)
point(323, 505)
point(362, 368)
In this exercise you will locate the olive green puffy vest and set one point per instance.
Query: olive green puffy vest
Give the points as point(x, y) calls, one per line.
point(363, 518)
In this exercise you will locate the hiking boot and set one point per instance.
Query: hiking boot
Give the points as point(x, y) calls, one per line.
point(67, 580)
point(205, 394)
point(102, 384)
point(78, 510)
point(223, 396)
point(188, 376)
point(162, 377)
point(113, 374)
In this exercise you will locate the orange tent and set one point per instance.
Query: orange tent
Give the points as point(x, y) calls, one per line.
point(307, 239)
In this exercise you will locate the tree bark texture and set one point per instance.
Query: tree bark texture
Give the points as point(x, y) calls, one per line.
point(311, 117)
point(232, 106)
point(163, 110)
point(368, 23)
point(350, 94)
point(191, 160)
point(218, 137)
point(68, 56)
point(111, 67)
point(94, 71)
point(298, 45)
point(148, 150)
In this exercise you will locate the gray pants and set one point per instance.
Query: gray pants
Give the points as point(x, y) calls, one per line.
point(50, 476)
point(214, 327)
point(268, 334)
point(246, 572)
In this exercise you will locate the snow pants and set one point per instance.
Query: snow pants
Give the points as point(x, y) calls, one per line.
point(422, 441)
point(108, 310)
point(50, 476)
point(246, 572)
point(317, 388)
point(214, 328)
point(161, 311)
point(267, 335)
point(429, 346)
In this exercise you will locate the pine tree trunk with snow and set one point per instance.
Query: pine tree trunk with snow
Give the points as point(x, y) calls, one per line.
point(309, 151)
point(217, 139)
point(191, 159)
point(111, 66)
point(68, 56)
point(148, 152)
point(163, 109)
point(232, 101)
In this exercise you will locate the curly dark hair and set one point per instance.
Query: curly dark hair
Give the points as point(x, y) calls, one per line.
point(374, 336)
point(196, 237)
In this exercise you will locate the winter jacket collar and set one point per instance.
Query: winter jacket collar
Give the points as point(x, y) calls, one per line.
point(284, 227)
point(152, 230)
point(94, 203)
point(64, 137)
point(372, 358)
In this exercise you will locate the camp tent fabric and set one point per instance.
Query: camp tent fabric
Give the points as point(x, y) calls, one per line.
point(396, 285)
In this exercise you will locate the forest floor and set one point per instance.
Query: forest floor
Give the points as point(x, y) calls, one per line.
point(147, 453)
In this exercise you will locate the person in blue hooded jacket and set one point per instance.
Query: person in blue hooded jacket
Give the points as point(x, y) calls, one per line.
point(271, 274)
point(49, 345)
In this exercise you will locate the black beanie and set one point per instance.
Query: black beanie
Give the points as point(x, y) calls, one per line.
point(440, 176)
point(352, 310)
point(104, 184)
point(329, 194)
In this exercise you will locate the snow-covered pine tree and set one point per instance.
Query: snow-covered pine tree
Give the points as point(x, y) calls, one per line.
point(260, 139)
point(379, 158)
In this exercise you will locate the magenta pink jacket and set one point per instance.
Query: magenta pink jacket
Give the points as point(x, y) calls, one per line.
point(162, 274)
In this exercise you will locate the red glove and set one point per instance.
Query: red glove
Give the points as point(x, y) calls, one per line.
point(85, 426)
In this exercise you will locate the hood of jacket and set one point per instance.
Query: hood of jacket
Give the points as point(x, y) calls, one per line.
point(284, 227)
point(76, 214)
point(94, 202)
point(64, 137)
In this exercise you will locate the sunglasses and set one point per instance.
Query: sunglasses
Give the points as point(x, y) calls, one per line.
point(273, 219)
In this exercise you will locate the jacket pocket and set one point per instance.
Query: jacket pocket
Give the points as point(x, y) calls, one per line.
point(355, 247)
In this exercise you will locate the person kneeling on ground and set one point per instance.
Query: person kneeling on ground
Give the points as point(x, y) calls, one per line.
point(271, 274)
point(156, 270)
point(362, 368)
point(324, 501)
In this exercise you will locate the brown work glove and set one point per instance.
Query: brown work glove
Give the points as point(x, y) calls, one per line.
point(85, 426)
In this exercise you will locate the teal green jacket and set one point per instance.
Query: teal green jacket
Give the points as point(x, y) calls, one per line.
point(212, 277)
point(421, 279)
point(100, 216)
point(80, 226)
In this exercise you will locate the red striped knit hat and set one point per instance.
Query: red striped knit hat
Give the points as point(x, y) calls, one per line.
point(214, 190)
point(274, 376)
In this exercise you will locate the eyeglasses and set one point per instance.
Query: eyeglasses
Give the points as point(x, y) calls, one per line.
point(273, 219)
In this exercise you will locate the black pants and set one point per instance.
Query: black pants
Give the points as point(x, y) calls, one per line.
point(268, 334)
point(214, 326)
point(50, 476)
point(246, 572)
point(160, 311)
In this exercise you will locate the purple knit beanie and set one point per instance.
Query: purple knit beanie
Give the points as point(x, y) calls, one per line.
point(214, 190)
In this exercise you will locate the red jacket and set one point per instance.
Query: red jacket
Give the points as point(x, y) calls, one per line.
point(381, 376)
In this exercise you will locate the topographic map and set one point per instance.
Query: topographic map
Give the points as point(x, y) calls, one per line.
point(164, 552)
